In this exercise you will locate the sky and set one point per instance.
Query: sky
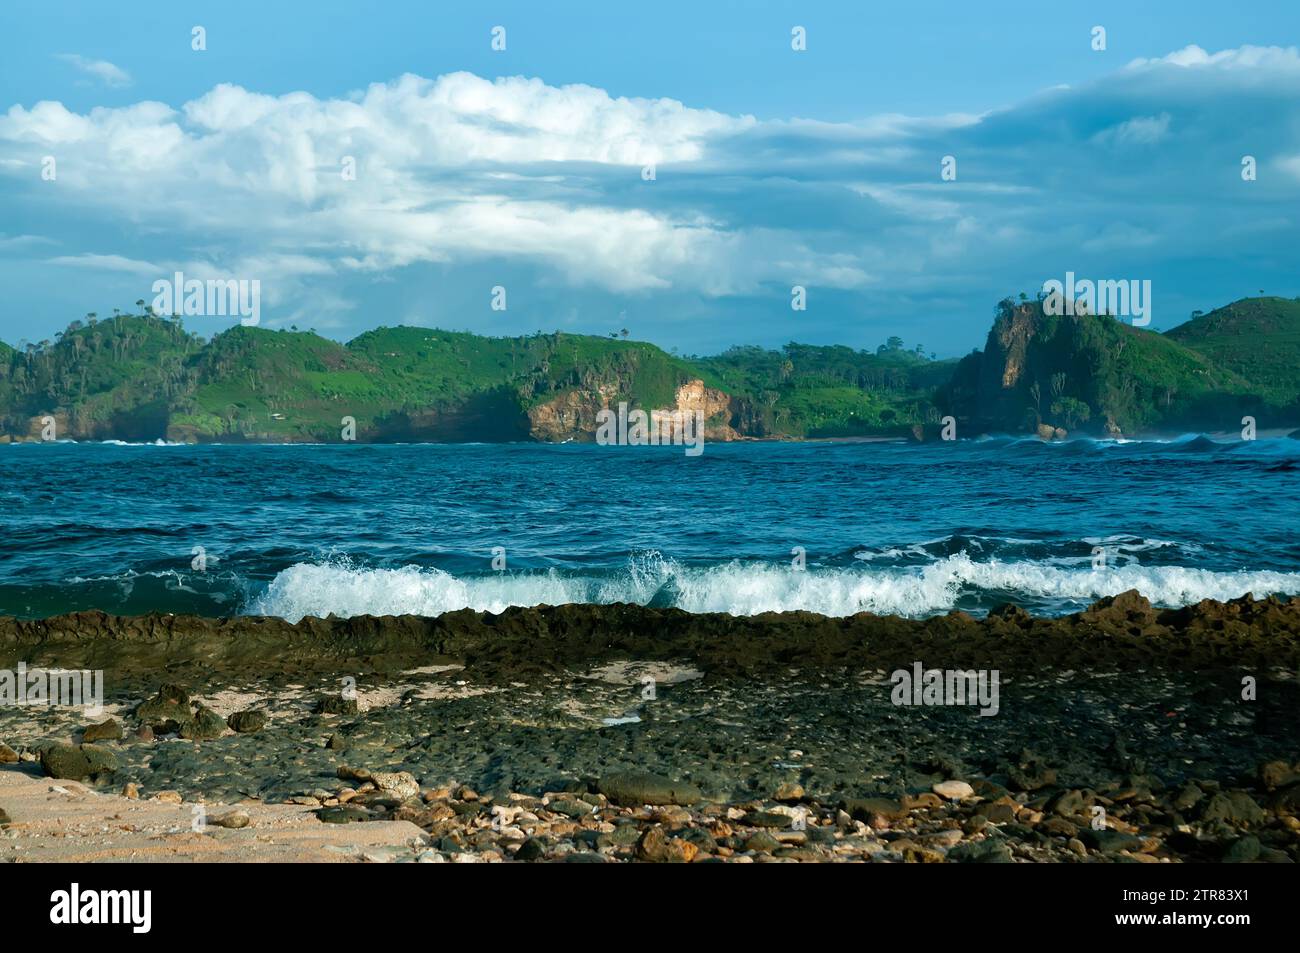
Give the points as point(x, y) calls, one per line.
point(528, 168)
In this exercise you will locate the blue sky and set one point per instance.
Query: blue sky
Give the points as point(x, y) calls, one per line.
point(523, 168)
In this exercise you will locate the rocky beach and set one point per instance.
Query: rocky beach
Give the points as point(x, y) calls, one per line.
point(590, 733)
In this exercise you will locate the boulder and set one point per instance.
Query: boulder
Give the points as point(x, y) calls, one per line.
point(108, 730)
point(398, 784)
point(204, 725)
point(77, 762)
point(247, 722)
point(634, 788)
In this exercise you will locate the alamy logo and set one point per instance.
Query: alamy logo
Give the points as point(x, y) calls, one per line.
point(134, 907)
point(657, 428)
point(937, 686)
point(53, 687)
point(216, 297)
point(1125, 298)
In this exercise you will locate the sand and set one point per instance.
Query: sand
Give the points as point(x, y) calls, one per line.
point(67, 822)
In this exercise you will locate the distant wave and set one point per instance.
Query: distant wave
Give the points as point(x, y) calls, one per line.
point(313, 589)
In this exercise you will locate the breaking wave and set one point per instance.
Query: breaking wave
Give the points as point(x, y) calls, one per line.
point(747, 588)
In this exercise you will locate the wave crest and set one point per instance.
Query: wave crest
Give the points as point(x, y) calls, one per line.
point(746, 588)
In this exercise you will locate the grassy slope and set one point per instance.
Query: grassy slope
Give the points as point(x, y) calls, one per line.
point(805, 390)
point(249, 374)
point(1139, 378)
point(1085, 373)
point(1258, 339)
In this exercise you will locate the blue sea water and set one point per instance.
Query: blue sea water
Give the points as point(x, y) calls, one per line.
point(883, 527)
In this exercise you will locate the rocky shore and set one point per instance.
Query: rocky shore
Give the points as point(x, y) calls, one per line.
point(619, 733)
point(1117, 633)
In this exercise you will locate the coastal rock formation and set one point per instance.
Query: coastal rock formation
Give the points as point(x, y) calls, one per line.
point(572, 414)
point(1118, 633)
point(1101, 375)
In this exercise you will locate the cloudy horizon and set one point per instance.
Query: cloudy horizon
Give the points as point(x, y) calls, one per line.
point(410, 198)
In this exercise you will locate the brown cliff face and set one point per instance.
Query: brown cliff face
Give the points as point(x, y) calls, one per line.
point(989, 391)
point(1009, 341)
point(569, 416)
point(716, 406)
point(572, 415)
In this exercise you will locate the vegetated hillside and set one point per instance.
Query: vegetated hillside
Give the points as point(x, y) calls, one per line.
point(1258, 339)
point(110, 379)
point(809, 391)
point(1092, 373)
point(144, 377)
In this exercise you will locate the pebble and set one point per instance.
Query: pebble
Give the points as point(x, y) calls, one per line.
point(235, 820)
point(400, 784)
point(108, 730)
point(789, 793)
point(953, 790)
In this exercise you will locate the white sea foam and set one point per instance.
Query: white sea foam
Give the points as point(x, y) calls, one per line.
point(747, 588)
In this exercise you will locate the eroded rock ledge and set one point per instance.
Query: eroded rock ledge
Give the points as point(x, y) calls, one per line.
point(1119, 633)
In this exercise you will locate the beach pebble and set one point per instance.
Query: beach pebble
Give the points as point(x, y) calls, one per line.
point(399, 784)
point(108, 730)
point(247, 722)
point(204, 725)
point(632, 788)
point(77, 762)
point(789, 792)
point(953, 790)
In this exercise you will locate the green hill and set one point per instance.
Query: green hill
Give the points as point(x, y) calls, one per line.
point(1095, 374)
point(1258, 339)
point(809, 391)
point(144, 377)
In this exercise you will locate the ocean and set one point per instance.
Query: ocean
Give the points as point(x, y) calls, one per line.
point(830, 527)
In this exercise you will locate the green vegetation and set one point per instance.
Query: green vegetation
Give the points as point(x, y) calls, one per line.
point(1258, 339)
point(144, 377)
point(808, 391)
point(1102, 375)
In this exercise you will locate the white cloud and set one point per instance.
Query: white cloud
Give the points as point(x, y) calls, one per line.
point(1138, 131)
point(515, 174)
point(117, 263)
point(1243, 57)
point(102, 70)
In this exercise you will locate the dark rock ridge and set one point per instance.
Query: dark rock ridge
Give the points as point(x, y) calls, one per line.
point(1115, 634)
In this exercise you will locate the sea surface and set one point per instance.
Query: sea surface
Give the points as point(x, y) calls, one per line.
point(832, 527)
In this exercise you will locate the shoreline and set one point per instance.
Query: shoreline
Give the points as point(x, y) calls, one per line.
point(620, 733)
point(908, 439)
point(1114, 633)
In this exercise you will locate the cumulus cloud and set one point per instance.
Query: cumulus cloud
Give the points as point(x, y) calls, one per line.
point(1123, 175)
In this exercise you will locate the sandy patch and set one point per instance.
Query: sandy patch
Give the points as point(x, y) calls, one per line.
point(63, 821)
point(636, 673)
